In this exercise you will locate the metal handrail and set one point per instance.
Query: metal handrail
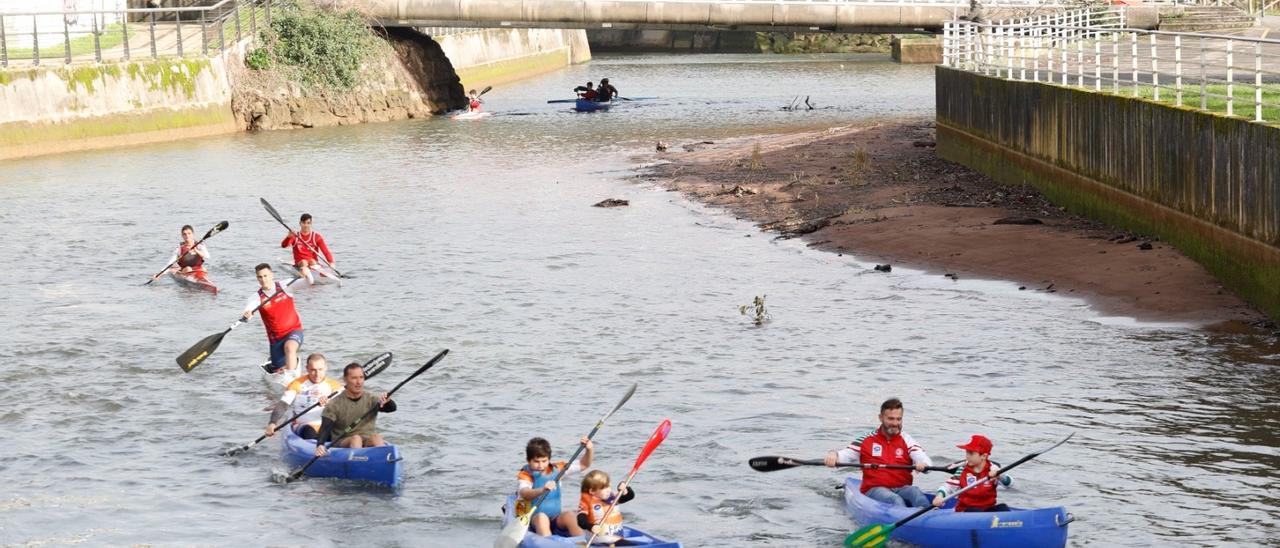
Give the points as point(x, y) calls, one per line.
point(214, 26)
point(1186, 69)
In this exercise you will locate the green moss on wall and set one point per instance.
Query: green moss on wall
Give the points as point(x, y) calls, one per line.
point(28, 135)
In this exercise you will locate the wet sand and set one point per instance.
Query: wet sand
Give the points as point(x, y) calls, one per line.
point(880, 192)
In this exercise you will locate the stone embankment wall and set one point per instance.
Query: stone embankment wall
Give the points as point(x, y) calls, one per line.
point(50, 110)
point(410, 78)
point(498, 56)
point(1208, 184)
point(46, 110)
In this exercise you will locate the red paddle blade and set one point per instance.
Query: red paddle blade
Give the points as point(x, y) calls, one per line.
point(654, 441)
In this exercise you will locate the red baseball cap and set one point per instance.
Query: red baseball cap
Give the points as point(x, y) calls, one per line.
point(977, 444)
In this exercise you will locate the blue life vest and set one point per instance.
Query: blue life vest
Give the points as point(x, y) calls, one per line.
point(550, 504)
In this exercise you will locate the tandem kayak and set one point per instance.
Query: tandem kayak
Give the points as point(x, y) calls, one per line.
point(1041, 527)
point(197, 279)
point(374, 464)
point(587, 105)
point(630, 535)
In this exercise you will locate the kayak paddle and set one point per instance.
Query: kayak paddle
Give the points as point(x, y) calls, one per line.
point(276, 214)
point(371, 368)
point(655, 439)
point(562, 101)
point(212, 231)
point(772, 464)
point(514, 532)
point(200, 351)
point(875, 535)
point(350, 427)
point(486, 89)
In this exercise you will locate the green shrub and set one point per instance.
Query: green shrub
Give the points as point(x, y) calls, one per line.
point(325, 49)
point(258, 59)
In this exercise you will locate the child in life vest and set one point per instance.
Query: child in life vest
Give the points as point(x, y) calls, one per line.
point(473, 101)
point(538, 477)
point(596, 498)
point(977, 465)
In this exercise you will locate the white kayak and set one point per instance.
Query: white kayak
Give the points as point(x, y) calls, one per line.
point(471, 115)
point(319, 274)
point(276, 382)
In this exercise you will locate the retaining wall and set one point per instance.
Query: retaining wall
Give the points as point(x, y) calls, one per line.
point(498, 56)
point(48, 110)
point(1206, 183)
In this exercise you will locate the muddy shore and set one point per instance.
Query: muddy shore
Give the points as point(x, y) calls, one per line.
point(878, 191)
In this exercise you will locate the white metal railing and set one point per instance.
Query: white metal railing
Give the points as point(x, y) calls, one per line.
point(122, 34)
point(1228, 75)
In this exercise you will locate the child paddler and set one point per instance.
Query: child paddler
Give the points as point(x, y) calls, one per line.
point(977, 465)
point(596, 499)
point(538, 477)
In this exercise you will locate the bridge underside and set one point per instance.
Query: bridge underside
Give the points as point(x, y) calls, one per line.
point(685, 15)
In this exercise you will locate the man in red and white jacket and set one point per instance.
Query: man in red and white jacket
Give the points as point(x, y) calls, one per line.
point(280, 317)
point(306, 243)
point(887, 444)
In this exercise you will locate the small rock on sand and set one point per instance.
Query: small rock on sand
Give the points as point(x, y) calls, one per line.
point(612, 202)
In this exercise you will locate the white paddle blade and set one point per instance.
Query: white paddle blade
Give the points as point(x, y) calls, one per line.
point(512, 534)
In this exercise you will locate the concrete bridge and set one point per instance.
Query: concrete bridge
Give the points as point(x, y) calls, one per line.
point(759, 15)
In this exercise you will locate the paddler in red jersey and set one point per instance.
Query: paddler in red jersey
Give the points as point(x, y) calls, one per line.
point(189, 256)
point(887, 444)
point(305, 243)
point(284, 328)
point(587, 92)
point(977, 465)
point(473, 101)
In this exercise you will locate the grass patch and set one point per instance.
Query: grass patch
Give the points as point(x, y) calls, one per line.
point(112, 37)
point(1215, 99)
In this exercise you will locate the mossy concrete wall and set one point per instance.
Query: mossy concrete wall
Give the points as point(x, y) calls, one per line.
point(47, 110)
point(1208, 184)
point(498, 56)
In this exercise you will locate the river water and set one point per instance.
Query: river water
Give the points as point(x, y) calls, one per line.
point(480, 238)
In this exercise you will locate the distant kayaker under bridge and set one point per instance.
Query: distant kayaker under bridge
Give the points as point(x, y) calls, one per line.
point(769, 15)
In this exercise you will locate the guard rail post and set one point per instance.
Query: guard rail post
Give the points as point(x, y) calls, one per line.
point(66, 38)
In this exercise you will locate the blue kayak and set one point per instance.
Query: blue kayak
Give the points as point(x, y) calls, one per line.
point(630, 535)
point(1041, 527)
point(587, 105)
point(375, 464)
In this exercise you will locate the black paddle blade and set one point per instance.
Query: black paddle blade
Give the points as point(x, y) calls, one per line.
point(486, 89)
point(771, 464)
point(216, 229)
point(200, 351)
point(377, 364)
point(273, 211)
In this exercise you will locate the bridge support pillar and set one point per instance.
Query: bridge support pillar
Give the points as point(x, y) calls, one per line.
point(915, 48)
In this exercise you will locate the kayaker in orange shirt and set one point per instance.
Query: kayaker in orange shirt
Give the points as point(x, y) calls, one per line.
point(596, 498)
point(305, 243)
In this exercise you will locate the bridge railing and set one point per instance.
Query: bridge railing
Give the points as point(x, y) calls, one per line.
point(122, 34)
point(1223, 74)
